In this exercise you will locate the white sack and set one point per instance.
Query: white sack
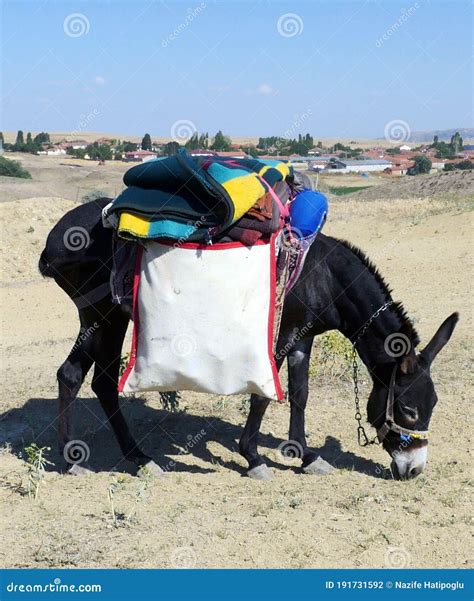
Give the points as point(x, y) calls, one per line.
point(204, 320)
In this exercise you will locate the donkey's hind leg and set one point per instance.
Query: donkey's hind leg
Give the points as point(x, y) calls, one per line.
point(107, 354)
point(70, 376)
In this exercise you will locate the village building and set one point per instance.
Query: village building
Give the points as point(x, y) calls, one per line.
point(77, 144)
point(232, 154)
point(140, 156)
point(202, 152)
point(353, 166)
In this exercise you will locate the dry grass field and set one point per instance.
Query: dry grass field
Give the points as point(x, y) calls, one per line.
point(205, 512)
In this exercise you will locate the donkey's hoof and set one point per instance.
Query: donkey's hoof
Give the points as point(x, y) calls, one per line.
point(261, 472)
point(319, 467)
point(77, 469)
point(151, 468)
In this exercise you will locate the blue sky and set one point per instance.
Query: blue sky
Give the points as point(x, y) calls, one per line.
point(335, 69)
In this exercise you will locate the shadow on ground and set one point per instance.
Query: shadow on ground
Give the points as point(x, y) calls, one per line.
point(163, 435)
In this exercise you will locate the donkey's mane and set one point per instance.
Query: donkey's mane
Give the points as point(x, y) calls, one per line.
point(407, 326)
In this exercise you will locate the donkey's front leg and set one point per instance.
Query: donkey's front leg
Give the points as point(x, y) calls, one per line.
point(248, 445)
point(298, 368)
point(248, 442)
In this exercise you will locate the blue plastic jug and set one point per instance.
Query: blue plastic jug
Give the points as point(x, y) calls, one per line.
point(308, 213)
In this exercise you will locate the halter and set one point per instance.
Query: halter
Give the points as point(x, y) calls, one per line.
point(389, 425)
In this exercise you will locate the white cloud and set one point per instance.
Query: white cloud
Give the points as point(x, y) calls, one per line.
point(99, 80)
point(265, 89)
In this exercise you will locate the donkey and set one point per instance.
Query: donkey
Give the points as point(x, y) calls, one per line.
point(338, 289)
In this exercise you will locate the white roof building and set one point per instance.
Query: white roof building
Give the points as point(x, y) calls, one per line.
point(362, 166)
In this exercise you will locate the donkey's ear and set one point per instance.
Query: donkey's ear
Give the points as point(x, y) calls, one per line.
point(407, 360)
point(408, 363)
point(441, 338)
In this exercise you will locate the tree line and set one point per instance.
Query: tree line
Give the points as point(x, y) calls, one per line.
point(31, 144)
point(448, 150)
point(270, 145)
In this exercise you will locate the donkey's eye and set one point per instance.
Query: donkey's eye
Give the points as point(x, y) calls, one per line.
point(410, 412)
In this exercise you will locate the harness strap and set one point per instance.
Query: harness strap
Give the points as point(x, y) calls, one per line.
point(389, 423)
point(284, 210)
point(92, 296)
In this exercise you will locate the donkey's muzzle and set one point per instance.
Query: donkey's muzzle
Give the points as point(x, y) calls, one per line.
point(409, 464)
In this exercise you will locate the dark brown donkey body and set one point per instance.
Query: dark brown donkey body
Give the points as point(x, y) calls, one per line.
point(339, 289)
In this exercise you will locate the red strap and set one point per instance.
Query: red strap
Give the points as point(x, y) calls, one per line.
point(284, 211)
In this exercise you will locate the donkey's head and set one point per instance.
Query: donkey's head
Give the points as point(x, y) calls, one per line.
point(402, 415)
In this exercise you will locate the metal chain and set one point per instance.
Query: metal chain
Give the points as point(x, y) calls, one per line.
point(362, 437)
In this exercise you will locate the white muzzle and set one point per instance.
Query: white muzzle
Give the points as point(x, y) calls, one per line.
point(408, 464)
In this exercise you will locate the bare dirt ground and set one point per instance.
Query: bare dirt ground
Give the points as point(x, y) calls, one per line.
point(205, 513)
point(62, 177)
point(450, 184)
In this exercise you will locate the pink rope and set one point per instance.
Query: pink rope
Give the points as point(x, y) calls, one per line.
point(284, 211)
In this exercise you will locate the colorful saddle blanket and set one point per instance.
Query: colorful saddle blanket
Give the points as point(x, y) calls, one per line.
point(187, 199)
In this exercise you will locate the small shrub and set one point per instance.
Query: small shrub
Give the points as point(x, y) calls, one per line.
point(141, 494)
point(11, 168)
point(245, 406)
point(36, 468)
point(124, 360)
point(463, 165)
point(421, 164)
point(332, 357)
point(118, 485)
point(170, 401)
